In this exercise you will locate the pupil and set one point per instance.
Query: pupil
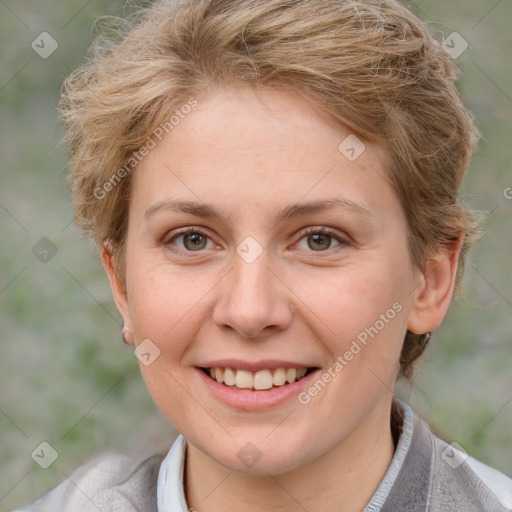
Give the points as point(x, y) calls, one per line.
point(322, 241)
point(196, 240)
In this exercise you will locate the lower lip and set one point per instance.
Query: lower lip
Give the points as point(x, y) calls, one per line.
point(249, 400)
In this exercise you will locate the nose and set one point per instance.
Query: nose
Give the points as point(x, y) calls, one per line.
point(253, 300)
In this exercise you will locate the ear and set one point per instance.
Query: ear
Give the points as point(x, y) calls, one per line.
point(119, 292)
point(435, 290)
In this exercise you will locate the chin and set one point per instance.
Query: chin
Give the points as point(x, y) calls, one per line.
point(260, 456)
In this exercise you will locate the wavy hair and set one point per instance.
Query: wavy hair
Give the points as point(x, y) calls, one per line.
point(372, 64)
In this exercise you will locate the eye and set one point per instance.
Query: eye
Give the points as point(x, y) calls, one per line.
point(317, 239)
point(190, 240)
point(321, 239)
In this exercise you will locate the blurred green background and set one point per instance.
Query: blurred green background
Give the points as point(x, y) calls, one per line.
point(66, 377)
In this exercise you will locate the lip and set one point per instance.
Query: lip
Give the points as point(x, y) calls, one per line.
point(266, 364)
point(249, 400)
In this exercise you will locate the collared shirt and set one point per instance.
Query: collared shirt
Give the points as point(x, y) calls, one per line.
point(425, 475)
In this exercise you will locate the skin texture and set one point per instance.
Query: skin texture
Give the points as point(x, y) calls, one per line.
point(250, 156)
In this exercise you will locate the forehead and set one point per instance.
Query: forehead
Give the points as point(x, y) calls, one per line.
point(239, 147)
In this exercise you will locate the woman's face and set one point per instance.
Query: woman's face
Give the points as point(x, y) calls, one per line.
point(258, 244)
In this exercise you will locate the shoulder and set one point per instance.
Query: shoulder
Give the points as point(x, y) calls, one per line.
point(459, 478)
point(497, 482)
point(111, 482)
point(435, 476)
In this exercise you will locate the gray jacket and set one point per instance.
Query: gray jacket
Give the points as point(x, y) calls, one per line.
point(426, 475)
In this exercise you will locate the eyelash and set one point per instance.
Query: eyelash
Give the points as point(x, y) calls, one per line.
point(343, 241)
point(323, 230)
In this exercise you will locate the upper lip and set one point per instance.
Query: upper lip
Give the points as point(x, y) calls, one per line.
point(254, 366)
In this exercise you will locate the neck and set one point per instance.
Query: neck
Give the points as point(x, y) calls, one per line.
point(345, 477)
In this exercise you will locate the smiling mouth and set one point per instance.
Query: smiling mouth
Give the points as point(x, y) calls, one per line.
point(261, 380)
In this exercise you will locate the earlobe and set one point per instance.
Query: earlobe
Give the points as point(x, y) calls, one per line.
point(119, 293)
point(127, 336)
point(436, 288)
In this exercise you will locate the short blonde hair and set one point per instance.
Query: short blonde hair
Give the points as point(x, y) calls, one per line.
point(372, 64)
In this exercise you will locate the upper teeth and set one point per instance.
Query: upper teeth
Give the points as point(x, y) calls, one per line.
point(262, 379)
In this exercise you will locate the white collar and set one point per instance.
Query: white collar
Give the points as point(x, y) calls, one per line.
point(170, 490)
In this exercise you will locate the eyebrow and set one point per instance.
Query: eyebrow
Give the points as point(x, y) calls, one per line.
point(292, 211)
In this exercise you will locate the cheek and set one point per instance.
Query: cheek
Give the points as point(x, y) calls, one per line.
point(165, 304)
point(360, 319)
point(164, 308)
point(353, 298)
point(363, 324)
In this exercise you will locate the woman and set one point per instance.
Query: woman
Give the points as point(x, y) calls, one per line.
point(273, 187)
